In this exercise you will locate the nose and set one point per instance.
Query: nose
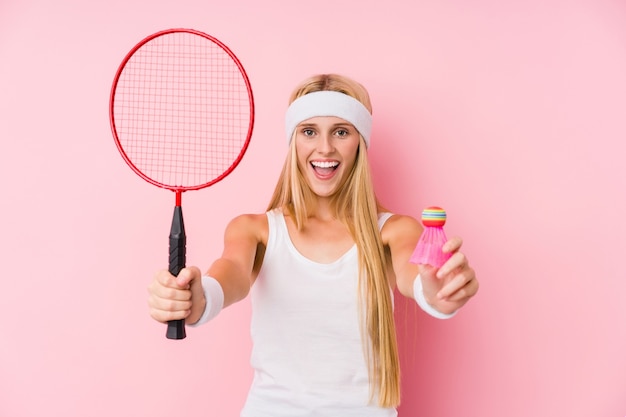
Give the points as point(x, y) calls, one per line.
point(325, 144)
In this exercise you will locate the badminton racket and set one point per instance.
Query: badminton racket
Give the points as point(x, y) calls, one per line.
point(181, 112)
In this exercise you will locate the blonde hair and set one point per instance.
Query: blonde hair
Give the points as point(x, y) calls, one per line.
point(357, 207)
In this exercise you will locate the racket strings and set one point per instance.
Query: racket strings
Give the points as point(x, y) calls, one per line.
point(182, 110)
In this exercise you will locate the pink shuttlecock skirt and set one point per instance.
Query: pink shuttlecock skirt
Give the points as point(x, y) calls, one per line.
point(428, 250)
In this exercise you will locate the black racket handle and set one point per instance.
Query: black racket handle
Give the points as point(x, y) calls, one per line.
point(176, 328)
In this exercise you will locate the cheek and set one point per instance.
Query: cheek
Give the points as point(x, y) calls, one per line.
point(302, 164)
point(300, 153)
point(348, 167)
point(350, 154)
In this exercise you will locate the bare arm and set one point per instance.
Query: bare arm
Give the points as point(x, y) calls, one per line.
point(182, 297)
point(237, 267)
point(400, 234)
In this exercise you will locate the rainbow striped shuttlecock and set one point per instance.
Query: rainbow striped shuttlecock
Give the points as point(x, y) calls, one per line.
point(428, 249)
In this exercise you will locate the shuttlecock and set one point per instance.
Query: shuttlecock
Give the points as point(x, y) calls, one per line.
point(428, 250)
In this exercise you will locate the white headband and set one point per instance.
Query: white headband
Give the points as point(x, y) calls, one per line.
point(329, 103)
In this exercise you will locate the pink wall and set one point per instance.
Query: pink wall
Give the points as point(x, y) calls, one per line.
point(511, 115)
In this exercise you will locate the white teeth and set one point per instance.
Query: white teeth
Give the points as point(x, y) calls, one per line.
point(324, 164)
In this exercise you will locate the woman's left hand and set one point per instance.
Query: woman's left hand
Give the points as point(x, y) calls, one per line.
point(448, 288)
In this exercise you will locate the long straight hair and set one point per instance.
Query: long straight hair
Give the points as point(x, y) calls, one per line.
point(357, 207)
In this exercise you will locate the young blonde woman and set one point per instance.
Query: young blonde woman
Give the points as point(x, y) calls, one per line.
point(320, 266)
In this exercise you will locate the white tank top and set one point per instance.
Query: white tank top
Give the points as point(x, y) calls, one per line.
point(307, 353)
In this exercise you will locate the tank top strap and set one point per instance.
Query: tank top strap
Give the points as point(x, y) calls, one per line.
point(382, 219)
point(277, 228)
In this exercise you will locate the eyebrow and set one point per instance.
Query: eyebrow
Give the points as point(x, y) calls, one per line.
point(335, 125)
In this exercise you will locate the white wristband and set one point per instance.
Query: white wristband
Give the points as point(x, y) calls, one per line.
point(418, 293)
point(214, 296)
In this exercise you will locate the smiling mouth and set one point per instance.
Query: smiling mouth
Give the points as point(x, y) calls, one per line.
point(324, 168)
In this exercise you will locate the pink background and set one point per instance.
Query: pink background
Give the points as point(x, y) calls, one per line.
point(511, 115)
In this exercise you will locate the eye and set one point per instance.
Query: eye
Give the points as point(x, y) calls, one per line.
point(308, 132)
point(342, 133)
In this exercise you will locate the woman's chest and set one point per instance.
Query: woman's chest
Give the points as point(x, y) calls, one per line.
point(321, 243)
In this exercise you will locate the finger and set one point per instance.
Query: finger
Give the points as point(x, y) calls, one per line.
point(169, 304)
point(165, 316)
point(457, 261)
point(164, 278)
point(452, 245)
point(169, 293)
point(456, 284)
point(465, 293)
point(164, 286)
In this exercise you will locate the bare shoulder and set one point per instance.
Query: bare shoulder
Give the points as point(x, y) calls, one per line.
point(249, 226)
point(400, 228)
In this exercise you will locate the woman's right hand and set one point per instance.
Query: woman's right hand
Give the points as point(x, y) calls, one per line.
point(176, 298)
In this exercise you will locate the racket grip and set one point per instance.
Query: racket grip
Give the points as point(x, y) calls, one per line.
point(178, 241)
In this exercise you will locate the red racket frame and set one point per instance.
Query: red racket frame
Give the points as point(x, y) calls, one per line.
point(180, 189)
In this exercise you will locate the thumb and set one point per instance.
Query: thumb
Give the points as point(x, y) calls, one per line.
point(428, 272)
point(186, 276)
